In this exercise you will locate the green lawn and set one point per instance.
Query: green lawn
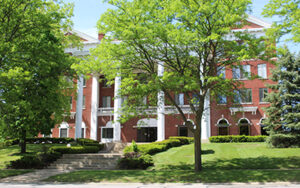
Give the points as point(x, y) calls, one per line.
point(228, 162)
point(12, 153)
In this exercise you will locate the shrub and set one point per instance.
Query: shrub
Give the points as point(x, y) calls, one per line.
point(26, 162)
point(134, 146)
point(284, 140)
point(74, 149)
point(237, 138)
point(183, 139)
point(147, 148)
point(37, 140)
point(135, 161)
point(8, 142)
point(86, 141)
point(170, 143)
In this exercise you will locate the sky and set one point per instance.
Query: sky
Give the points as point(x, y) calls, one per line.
point(88, 12)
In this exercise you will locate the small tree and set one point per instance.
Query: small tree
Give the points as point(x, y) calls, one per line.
point(32, 66)
point(191, 39)
point(284, 111)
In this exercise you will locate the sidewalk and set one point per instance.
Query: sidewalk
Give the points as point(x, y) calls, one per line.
point(33, 177)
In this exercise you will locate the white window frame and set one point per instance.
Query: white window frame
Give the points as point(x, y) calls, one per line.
point(108, 125)
point(109, 103)
point(262, 102)
point(83, 82)
point(83, 101)
point(64, 125)
point(241, 72)
point(262, 71)
point(241, 98)
point(179, 99)
point(83, 130)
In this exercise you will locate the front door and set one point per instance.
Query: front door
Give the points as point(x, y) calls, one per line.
point(147, 134)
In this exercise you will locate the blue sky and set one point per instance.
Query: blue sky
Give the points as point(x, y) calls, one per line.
point(88, 12)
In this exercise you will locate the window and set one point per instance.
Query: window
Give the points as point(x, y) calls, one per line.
point(243, 73)
point(244, 127)
point(83, 102)
point(221, 99)
point(108, 133)
point(179, 99)
point(243, 96)
point(63, 133)
point(82, 132)
point(195, 99)
point(262, 71)
point(71, 100)
point(106, 101)
point(221, 72)
point(182, 131)
point(223, 127)
point(262, 94)
point(83, 82)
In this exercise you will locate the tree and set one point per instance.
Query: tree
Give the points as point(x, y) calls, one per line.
point(191, 39)
point(283, 113)
point(288, 11)
point(32, 66)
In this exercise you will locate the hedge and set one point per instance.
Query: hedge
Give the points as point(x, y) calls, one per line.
point(183, 139)
point(237, 138)
point(36, 140)
point(135, 162)
point(75, 149)
point(37, 161)
point(156, 147)
point(284, 140)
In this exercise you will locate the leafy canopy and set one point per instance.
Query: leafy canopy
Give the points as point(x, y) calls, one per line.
point(32, 65)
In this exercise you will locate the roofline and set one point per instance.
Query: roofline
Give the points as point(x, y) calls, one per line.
point(84, 36)
point(258, 21)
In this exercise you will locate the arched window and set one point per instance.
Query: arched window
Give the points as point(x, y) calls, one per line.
point(223, 127)
point(262, 127)
point(244, 126)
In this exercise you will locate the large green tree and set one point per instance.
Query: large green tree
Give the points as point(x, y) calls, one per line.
point(191, 39)
point(284, 111)
point(287, 12)
point(32, 66)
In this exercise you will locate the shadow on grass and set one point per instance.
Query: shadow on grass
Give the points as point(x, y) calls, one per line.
point(12, 172)
point(183, 176)
point(241, 163)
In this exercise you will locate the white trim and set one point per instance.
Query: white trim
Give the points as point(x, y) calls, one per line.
point(94, 107)
point(147, 122)
point(108, 125)
point(259, 123)
point(249, 122)
point(258, 21)
point(221, 120)
point(63, 125)
point(84, 36)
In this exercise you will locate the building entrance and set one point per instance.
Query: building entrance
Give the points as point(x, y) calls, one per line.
point(147, 134)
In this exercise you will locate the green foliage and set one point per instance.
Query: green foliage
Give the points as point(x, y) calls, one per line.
point(76, 149)
point(188, 38)
point(37, 161)
point(283, 114)
point(237, 138)
point(156, 147)
point(37, 140)
point(183, 139)
point(284, 140)
point(86, 141)
point(33, 92)
point(288, 13)
point(134, 146)
point(135, 162)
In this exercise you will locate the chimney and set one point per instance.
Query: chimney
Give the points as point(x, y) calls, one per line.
point(101, 36)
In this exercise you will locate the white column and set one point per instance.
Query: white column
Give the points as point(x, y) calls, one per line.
point(79, 101)
point(160, 108)
point(205, 122)
point(94, 107)
point(117, 110)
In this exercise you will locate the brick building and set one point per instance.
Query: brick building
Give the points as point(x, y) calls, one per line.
point(94, 112)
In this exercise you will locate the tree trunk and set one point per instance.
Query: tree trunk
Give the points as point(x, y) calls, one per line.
point(23, 141)
point(197, 148)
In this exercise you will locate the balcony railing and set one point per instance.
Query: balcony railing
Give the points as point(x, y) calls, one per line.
point(108, 111)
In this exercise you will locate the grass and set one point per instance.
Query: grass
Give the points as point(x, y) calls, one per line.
point(222, 162)
point(12, 172)
point(12, 153)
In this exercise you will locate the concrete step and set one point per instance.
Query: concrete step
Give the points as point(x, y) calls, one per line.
point(86, 161)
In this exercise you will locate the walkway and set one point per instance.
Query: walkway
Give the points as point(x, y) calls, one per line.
point(33, 177)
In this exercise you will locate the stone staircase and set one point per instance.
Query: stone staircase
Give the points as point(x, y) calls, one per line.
point(106, 159)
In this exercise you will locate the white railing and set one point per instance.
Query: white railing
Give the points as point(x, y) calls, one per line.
point(108, 111)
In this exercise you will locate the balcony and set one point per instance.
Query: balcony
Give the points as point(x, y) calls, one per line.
point(109, 111)
point(251, 109)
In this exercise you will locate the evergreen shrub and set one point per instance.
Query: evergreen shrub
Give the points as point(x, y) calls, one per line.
point(284, 140)
point(237, 138)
